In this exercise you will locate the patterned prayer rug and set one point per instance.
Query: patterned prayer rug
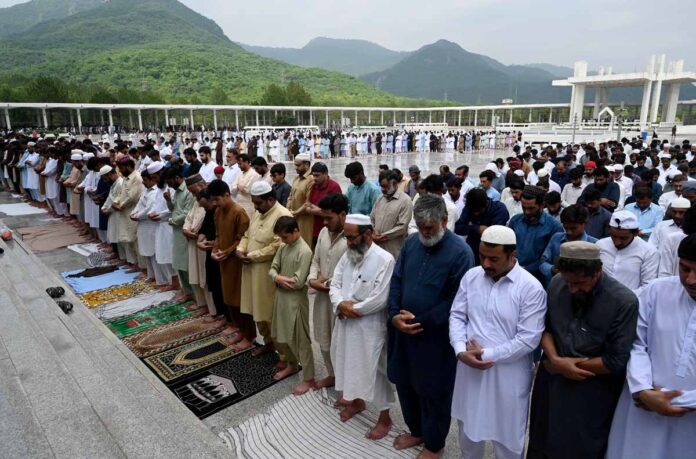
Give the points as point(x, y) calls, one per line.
point(227, 383)
point(190, 358)
point(116, 293)
point(110, 311)
point(309, 426)
point(149, 318)
point(164, 337)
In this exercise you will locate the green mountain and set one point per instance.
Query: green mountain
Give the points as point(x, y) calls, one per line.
point(354, 57)
point(557, 71)
point(162, 46)
point(25, 16)
point(445, 70)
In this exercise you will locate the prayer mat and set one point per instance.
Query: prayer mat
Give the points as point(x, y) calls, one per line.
point(190, 358)
point(173, 334)
point(50, 237)
point(227, 383)
point(19, 209)
point(149, 318)
point(84, 249)
point(309, 426)
point(88, 280)
point(109, 311)
point(97, 298)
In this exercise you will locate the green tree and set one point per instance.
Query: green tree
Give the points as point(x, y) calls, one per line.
point(297, 94)
point(48, 89)
point(218, 96)
point(274, 95)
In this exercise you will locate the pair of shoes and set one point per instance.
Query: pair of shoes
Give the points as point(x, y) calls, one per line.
point(55, 292)
point(65, 306)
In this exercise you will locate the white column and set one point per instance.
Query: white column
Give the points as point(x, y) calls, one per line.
point(382, 118)
point(236, 120)
point(356, 118)
point(326, 120)
point(645, 104)
point(341, 123)
point(551, 115)
point(311, 118)
point(79, 121)
point(459, 122)
point(7, 119)
point(140, 120)
point(444, 116)
point(510, 116)
point(530, 113)
point(475, 118)
point(670, 114)
point(492, 117)
point(215, 120)
point(111, 120)
point(657, 89)
point(166, 117)
point(597, 102)
point(369, 117)
point(257, 118)
point(430, 117)
point(45, 118)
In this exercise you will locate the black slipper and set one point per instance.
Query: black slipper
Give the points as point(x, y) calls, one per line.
point(55, 292)
point(65, 306)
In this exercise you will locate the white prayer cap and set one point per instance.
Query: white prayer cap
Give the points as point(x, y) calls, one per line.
point(635, 150)
point(155, 167)
point(88, 155)
point(618, 168)
point(358, 219)
point(76, 157)
point(674, 173)
point(666, 145)
point(105, 170)
point(147, 161)
point(40, 139)
point(77, 152)
point(260, 188)
point(664, 156)
point(680, 203)
point(31, 144)
point(304, 157)
point(624, 219)
point(543, 172)
point(499, 235)
point(492, 167)
point(519, 172)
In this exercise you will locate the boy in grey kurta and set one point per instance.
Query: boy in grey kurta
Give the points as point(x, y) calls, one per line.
point(290, 323)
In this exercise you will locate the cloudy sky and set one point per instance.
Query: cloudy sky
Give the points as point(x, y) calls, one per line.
point(603, 32)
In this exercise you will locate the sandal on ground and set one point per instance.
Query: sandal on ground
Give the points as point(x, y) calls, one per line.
point(55, 292)
point(65, 306)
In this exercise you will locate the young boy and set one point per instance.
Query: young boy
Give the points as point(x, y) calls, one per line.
point(281, 188)
point(290, 323)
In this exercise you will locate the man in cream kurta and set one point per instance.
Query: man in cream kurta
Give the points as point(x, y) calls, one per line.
point(241, 187)
point(301, 185)
point(655, 416)
point(391, 215)
point(256, 250)
point(331, 245)
point(123, 205)
point(113, 224)
point(196, 257)
point(496, 322)
point(359, 293)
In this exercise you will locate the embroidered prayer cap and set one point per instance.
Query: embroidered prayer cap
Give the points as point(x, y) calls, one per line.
point(155, 167)
point(519, 172)
point(618, 168)
point(689, 187)
point(635, 150)
point(499, 235)
point(88, 155)
point(664, 156)
point(303, 157)
point(193, 179)
point(543, 172)
point(358, 219)
point(76, 156)
point(31, 144)
point(260, 188)
point(77, 151)
point(579, 250)
point(624, 219)
point(219, 170)
point(680, 203)
point(590, 164)
point(105, 170)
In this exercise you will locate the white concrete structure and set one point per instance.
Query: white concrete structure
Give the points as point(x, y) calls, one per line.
point(652, 82)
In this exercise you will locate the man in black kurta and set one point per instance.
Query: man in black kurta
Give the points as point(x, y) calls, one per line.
point(421, 361)
point(590, 327)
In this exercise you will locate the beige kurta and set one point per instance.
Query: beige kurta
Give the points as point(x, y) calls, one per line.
point(74, 179)
point(112, 228)
point(299, 193)
point(130, 194)
point(240, 190)
point(260, 244)
point(196, 256)
point(390, 217)
point(326, 256)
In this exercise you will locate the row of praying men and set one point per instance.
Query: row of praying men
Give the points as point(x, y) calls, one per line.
point(392, 308)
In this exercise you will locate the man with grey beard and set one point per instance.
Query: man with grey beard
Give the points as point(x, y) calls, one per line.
point(421, 361)
point(590, 328)
point(359, 292)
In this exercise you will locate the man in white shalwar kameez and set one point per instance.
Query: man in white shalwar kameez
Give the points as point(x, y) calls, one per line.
point(656, 414)
point(496, 323)
point(359, 293)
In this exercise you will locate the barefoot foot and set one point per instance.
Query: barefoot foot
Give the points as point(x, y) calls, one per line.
point(405, 441)
point(379, 431)
point(329, 381)
point(351, 410)
point(282, 374)
point(303, 387)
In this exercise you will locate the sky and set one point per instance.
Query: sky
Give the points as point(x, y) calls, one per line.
point(618, 33)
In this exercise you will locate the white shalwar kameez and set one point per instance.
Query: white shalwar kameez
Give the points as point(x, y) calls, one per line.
point(89, 184)
point(664, 355)
point(668, 258)
point(359, 346)
point(634, 266)
point(207, 171)
point(53, 187)
point(507, 320)
point(147, 233)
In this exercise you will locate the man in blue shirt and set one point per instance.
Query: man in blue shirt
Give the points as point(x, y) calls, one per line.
point(648, 213)
point(487, 177)
point(479, 213)
point(574, 219)
point(361, 194)
point(598, 218)
point(609, 190)
point(533, 228)
point(421, 362)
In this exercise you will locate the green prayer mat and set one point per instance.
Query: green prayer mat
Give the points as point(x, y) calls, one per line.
point(149, 318)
